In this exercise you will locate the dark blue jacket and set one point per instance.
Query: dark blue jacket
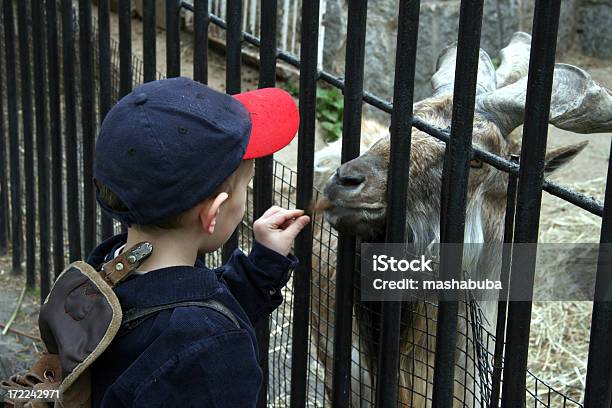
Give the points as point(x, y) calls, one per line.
point(190, 356)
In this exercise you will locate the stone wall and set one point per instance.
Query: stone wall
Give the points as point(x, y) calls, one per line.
point(596, 28)
point(587, 23)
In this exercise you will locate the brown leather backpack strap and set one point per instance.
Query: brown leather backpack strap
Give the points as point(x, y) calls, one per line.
point(125, 263)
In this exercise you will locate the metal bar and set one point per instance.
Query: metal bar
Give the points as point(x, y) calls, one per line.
point(13, 125)
point(502, 304)
point(42, 150)
point(28, 141)
point(149, 36)
point(351, 136)
point(173, 39)
point(598, 390)
point(303, 242)
point(578, 199)
point(233, 54)
point(55, 139)
point(453, 202)
point(125, 48)
point(200, 41)
point(105, 86)
point(4, 195)
point(88, 125)
point(263, 181)
point(529, 196)
point(397, 186)
point(233, 47)
point(72, 171)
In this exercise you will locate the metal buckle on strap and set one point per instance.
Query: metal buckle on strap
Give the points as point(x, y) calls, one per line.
point(123, 265)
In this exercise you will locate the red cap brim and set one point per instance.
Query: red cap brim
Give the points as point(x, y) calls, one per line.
point(274, 117)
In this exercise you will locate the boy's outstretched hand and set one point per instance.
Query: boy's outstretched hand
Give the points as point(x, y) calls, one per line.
point(278, 227)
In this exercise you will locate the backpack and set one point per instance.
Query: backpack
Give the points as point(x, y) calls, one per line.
point(77, 321)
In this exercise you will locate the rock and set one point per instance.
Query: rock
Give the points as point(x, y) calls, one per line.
point(568, 22)
point(9, 364)
point(438, 27)
point(597, 28)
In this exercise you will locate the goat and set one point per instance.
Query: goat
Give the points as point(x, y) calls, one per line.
point(355, 197)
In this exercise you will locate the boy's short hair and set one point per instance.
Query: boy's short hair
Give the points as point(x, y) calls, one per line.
point(112, 200)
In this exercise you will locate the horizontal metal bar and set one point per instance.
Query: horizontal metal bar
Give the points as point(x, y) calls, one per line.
point(578, 199)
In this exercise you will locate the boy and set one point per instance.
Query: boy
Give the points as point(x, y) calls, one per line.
point(173, 161)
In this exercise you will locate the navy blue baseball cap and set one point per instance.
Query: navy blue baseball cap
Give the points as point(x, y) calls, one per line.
point(169, 144)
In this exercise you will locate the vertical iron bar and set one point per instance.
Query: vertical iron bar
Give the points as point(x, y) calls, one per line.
point(529, 196)
point(397, 187)
point(55, 139)
point(4, 195)
point(502, 304)
point(104, 67)
point(72, 182)
point(28, 141)
point(351, 135)
point(13, 125)
point(598, 391)
point(88, 125)
point(233, 54)
point(149, 43)
point(233, 47)
point(262, 183)
point(38, 41)
point(452, 217)
point(200, 41)
point(125, 47)
point(303, 242)
point(173, 39)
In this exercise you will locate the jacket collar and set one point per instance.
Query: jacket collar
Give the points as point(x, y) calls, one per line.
point(161, 286)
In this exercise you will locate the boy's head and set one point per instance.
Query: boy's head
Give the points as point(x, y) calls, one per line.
point(176, 154)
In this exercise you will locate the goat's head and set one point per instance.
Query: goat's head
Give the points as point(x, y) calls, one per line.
point(356, 193)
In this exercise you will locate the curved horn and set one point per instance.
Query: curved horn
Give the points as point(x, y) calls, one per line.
point(578, 104)
point(514, 59)
point(443, 80)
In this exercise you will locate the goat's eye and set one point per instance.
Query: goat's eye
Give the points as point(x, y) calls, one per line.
point(476, 163)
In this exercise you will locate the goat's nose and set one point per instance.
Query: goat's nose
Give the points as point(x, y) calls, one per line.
point(348, 177)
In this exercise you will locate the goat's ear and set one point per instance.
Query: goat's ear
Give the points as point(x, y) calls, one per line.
point(559, 157)
point(443, 80)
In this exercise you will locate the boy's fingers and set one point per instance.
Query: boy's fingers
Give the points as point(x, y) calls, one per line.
point(282, 216)
point(272, 210)
point(295, 227)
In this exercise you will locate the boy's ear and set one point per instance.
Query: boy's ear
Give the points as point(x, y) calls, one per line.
point(208, 214)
